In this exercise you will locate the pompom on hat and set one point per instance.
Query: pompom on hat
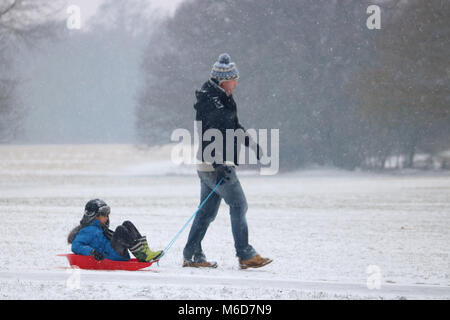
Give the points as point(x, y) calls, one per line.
point(224, 69)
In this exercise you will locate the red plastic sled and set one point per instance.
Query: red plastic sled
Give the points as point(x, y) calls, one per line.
point(88, 262)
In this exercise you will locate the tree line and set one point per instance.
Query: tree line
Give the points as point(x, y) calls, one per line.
point(341, 94)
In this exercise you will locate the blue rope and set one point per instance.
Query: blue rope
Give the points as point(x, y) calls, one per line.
point(189, 220)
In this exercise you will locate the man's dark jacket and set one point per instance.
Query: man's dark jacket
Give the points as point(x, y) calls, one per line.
point(216, 110)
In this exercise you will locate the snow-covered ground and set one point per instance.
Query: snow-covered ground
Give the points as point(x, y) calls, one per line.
point(323, 228)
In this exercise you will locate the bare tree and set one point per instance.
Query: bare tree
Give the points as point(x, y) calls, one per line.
point(22, 22)
point(27, 20)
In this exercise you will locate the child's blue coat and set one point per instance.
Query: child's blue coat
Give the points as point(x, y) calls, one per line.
point(92, 237)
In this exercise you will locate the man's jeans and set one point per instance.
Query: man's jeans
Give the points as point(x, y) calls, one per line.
point(231, 191)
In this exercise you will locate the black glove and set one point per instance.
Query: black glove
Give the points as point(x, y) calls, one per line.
point(97, 255)
point(222, 172)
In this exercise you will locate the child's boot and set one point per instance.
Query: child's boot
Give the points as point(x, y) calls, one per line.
point(142, 251)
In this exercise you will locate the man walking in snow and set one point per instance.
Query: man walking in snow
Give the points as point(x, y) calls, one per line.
point(216, 109)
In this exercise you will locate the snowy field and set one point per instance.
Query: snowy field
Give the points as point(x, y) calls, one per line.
point(323, 228)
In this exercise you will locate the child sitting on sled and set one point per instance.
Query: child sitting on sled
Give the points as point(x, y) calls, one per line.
point(94, 238)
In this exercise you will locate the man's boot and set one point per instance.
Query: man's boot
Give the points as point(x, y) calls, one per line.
point(199, 264)
point(199, 261)
point(255, 262)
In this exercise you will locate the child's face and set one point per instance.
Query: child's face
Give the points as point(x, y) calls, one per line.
point(102, 219)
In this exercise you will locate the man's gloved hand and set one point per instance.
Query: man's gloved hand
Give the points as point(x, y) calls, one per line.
point(97, 255)
point(222, 172)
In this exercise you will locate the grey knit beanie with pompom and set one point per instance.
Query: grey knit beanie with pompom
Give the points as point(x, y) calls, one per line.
point(224, 69)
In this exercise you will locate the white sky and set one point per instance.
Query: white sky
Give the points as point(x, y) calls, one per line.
point(89, 7)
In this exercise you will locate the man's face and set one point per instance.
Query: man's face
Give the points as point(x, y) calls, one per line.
point(229, 86)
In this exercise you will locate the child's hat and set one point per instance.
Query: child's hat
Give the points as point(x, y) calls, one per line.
point(94, 208)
